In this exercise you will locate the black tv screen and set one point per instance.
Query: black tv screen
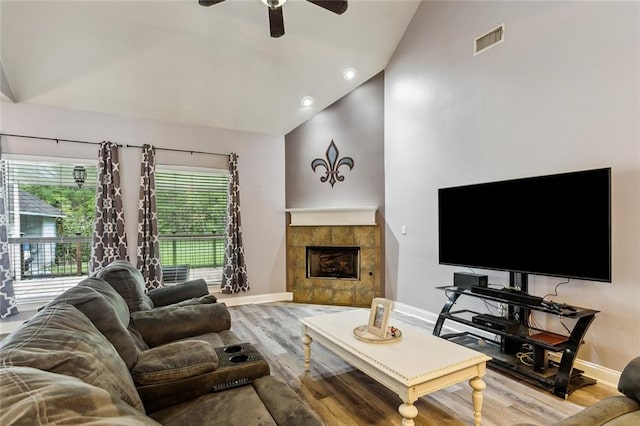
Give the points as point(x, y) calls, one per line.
point(556, 225)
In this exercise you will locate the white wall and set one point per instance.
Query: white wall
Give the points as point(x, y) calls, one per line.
point(261, 162)
point(560, 94)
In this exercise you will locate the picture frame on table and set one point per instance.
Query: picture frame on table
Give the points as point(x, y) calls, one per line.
point(379, 317)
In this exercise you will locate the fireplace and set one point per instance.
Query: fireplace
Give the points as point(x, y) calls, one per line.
point(334, 256)
point(333, 262)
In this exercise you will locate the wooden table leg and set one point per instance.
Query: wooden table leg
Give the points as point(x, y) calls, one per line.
point(307, 351)
point(408, 411)
point(478, 385)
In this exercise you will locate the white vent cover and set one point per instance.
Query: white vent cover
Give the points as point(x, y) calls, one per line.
point(488, 40)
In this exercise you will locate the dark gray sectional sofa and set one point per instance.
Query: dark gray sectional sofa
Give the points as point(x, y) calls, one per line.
point(106, 353)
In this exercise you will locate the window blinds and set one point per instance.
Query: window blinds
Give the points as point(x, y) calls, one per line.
point(191, 208)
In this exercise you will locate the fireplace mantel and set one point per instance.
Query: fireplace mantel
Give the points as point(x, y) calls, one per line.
point(338, 216)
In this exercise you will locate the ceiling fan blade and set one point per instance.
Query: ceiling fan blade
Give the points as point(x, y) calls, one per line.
point(335, 6)
point(276, 22)
point(209, 2)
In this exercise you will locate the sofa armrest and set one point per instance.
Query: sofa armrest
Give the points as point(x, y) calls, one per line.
point(177, 293)
point(602, 411)
point(170, 323)
point(174, 361)
point(629, 383)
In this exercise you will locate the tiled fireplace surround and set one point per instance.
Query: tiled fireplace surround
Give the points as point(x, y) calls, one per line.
point(334, 228)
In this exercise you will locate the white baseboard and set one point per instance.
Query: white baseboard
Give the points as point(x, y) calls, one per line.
point(258, 298)
point(603, 375)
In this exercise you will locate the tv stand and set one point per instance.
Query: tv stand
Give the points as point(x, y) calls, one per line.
point(558, 377)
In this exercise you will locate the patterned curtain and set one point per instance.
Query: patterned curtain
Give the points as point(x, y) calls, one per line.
point(109, 238)
point(8, 304)
point(234, 276)
point(148, 251)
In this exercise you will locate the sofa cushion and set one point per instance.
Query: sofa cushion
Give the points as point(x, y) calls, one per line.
point(169, 295)
point(202, 300)
point(137, 338)
point(283, 403)
point(217, 340)
point(30, 396)
point(234, 407)
point(169, 323)
point(174, 361)
point(251, 404)
point(629, 383)
point(61, 339)
point(107, 310)
point(629, 419)
point(127, 281)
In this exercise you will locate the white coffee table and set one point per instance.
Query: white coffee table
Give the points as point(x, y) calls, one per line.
point(418, 364)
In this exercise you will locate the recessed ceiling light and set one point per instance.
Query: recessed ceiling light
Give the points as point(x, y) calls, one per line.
point(307, 101)
point(349, 73)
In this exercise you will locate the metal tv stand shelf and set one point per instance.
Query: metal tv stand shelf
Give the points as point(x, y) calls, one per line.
point(516, 336)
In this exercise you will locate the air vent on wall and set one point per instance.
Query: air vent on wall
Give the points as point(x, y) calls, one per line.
point(488, 40)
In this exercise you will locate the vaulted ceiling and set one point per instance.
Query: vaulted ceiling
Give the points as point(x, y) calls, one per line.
point(181, 62)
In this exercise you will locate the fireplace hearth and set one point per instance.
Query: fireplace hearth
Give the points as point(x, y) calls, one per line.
point(333, 262)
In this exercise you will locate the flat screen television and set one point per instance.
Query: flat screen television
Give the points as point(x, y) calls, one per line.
point(556, 225)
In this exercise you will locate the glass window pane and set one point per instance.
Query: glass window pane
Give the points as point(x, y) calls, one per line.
point(191, 209)
point(50, 210)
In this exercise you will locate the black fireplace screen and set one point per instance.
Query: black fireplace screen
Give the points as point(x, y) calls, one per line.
point(333, 262)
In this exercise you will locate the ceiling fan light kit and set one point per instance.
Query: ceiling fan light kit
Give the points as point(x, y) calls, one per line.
point(274, 3)
point(276, 17)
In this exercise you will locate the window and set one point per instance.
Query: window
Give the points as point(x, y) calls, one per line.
point(191, 207)
point(50, 210)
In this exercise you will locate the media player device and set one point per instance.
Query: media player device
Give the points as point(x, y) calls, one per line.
point(466, 280)
point(496, 323)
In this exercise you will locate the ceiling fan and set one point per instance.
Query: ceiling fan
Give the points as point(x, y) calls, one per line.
point(276, 19)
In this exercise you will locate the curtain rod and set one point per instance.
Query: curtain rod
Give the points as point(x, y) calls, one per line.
point(52, 139)
point(98, 143)
point(179, 150)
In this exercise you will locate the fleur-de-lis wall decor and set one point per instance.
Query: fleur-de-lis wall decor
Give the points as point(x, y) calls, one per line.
point(332, 164)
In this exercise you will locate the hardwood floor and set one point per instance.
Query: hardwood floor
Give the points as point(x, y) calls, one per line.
point(342, 395)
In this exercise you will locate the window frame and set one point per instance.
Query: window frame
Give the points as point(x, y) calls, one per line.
point(213, 278)
point(33, 291)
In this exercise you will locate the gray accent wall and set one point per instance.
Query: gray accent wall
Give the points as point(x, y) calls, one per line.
point(356, 124)
point(561, 93)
